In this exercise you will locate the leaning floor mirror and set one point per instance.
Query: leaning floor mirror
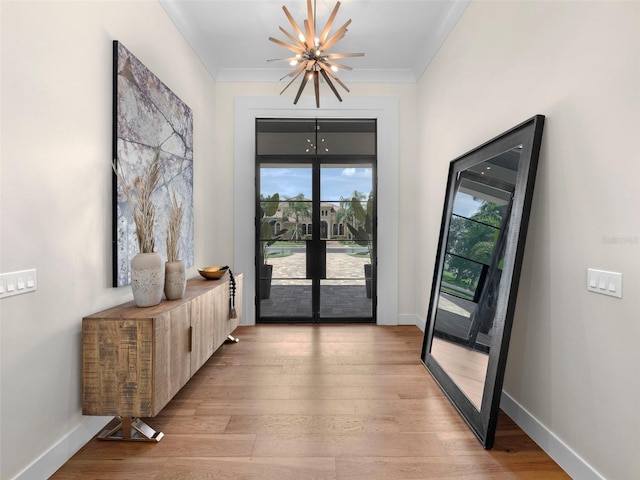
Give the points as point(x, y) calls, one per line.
point(478, 263)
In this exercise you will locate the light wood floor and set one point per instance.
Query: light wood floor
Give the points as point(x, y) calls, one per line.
point(466, 367)
point(314, 402)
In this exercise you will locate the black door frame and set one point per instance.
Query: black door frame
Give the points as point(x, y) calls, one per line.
point(316, 161)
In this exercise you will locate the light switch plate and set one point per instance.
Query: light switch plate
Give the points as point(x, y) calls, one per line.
point(16, 283)
point(606, 283)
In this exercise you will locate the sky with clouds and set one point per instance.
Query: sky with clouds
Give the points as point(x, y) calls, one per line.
point(336, 182)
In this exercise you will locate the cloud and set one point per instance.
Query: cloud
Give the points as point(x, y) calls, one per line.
point(348, 172)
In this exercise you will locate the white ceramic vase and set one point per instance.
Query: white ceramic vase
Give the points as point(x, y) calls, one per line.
point(175, 280)
point(147, 279)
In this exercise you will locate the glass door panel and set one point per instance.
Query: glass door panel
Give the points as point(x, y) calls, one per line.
point(346, 289)
point(285, 287)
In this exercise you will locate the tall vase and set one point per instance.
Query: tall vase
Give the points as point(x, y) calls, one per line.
point(147, 279)
point(175, 280)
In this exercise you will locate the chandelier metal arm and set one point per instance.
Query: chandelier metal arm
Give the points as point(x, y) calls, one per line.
point(295, 26)
point(312, 25)
point(340, 33)
point(287, 46)
point(286, 59)
point(309, 36)
point(327, 27)
point(303, 84)
point(330, 83)
point(292, 80)
point(316, 86)
point(342, 55)
point(342, 66)
point(329, 72)
point(295, 41)
point(296, 71)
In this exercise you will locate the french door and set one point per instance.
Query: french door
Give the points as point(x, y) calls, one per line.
point(315, 221)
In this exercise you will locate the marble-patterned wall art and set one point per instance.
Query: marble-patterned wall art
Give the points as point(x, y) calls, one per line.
point(147, 115)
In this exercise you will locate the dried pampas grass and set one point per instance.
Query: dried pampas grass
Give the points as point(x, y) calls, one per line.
point(139, 197)
point(174, 229)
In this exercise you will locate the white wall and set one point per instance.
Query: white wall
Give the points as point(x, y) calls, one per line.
point(55, 196)
point(394, 105)
point(574, 354)
point(573, 362)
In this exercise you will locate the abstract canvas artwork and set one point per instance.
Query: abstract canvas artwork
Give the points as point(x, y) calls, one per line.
point(148, 116)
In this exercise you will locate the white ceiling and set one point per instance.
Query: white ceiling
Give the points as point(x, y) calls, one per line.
point(398, 37)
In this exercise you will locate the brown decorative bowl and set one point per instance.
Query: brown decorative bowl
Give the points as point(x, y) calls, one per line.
point(212, 273)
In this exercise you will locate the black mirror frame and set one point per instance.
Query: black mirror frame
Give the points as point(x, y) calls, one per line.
point(528, 134)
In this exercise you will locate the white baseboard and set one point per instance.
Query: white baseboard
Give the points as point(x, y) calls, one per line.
point(406, 319)
point(559, 451)
point(51, 460)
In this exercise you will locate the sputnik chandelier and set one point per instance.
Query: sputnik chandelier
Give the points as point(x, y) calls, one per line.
point(312, 59)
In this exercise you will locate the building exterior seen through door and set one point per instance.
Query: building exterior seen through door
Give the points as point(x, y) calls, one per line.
point(315, 220)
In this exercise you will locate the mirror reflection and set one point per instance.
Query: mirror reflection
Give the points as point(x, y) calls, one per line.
point(473, 259)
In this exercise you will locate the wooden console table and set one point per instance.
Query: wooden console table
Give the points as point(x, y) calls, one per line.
point(134, 360)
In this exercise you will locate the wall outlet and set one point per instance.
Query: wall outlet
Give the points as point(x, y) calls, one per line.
point(606, 283)
point(17, 283)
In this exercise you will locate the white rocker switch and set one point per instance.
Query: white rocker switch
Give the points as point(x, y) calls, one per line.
point(606, 283)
